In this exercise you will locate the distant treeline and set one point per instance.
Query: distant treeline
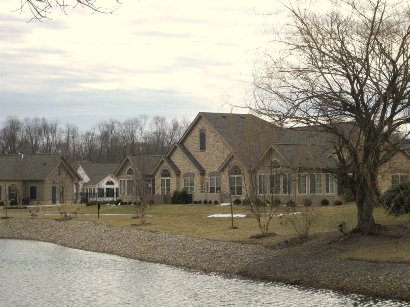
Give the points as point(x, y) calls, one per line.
point(107, 142)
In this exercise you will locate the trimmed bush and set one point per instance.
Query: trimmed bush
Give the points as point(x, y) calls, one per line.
point(210, 202)
point(216, 202)
point(396, 201)
point(291, 204)
point(181, 197)
point(307, 202)
point(237, 201)
point(338, 202)
point(324, 202)
point(1, 203)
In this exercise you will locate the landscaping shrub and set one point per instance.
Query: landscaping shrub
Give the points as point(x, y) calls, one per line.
point(1, 203)
point(237, 201)
point(307, 202)
point(216, 202)
point(195, 202)
point(181, 197)
point(338, 202)
point(291, 204)
point(324, 202)
point(91, 203)
point(205, 201)
point(396, 201)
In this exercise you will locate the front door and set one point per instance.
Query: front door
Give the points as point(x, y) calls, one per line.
point(53, 195)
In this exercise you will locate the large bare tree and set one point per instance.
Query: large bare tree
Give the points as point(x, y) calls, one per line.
point(347, 63)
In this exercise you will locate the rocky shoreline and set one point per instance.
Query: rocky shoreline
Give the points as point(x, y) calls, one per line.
point(291, 265)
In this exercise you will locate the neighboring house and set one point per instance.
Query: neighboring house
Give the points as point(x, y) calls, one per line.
point(98, 182)
point(36, 179)
point(395, 172)
point(135, 178)
point(222, 157)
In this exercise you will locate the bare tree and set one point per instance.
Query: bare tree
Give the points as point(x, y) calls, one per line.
point(10, 136)
point(347, 64)
point(41, 9)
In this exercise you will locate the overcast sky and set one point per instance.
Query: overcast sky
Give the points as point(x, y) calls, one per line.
point(173, 58)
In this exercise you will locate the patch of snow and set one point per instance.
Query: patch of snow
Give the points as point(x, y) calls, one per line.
point(226, 215)
point(283, 214)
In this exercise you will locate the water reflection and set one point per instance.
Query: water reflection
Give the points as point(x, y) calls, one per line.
point(44, 274)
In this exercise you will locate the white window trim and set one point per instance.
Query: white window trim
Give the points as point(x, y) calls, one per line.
point(333, 184)
point(307, 185)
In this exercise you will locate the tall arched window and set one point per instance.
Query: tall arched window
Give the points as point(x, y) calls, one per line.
point(235, 181)
point(165, 181)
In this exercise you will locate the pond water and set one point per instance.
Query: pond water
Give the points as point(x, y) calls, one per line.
point(44, 274)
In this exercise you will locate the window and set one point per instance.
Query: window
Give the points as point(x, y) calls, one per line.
point(202, 140)
point(235, 181)
point(330, 185)
point(189, 184)
point(263, 187)
point(33, 192)
point(109, 192)
point(302, 183)
point(275, 184)
point(165, 182)
point(109, 182)
point(315, 183)
point(149, 186)
point(130, 172)
point(287, 184)
point(130, 187)
point(100, 192)
point(122, 187)
point(215, 184)
point(397, 179)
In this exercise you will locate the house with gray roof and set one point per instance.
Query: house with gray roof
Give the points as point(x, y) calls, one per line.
point(98, 182)
point(136, 180)
point(36, 179)
point(225, 156)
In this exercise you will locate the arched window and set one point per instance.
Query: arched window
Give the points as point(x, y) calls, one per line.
point(165, 181)
point(109, 182)
point(130, 171)
point(165, 173)
point(235, 181)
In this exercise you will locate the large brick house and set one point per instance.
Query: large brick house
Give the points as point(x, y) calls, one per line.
point(135, 177)
point(36, 179)
point(231, 156)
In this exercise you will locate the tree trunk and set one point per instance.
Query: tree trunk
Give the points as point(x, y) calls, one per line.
point(365, 202)
point(365, 220)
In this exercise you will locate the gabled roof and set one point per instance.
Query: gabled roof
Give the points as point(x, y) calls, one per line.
point(97, 171)
point(32, 167)
point(143, 163)
point(250, 137)
point(189, 155)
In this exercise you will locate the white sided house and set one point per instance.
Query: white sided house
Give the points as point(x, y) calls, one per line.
point(97, 181)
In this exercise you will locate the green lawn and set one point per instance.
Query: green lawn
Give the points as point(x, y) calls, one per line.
point(193, 220)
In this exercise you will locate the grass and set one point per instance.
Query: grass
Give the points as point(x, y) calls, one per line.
point(193, 220)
